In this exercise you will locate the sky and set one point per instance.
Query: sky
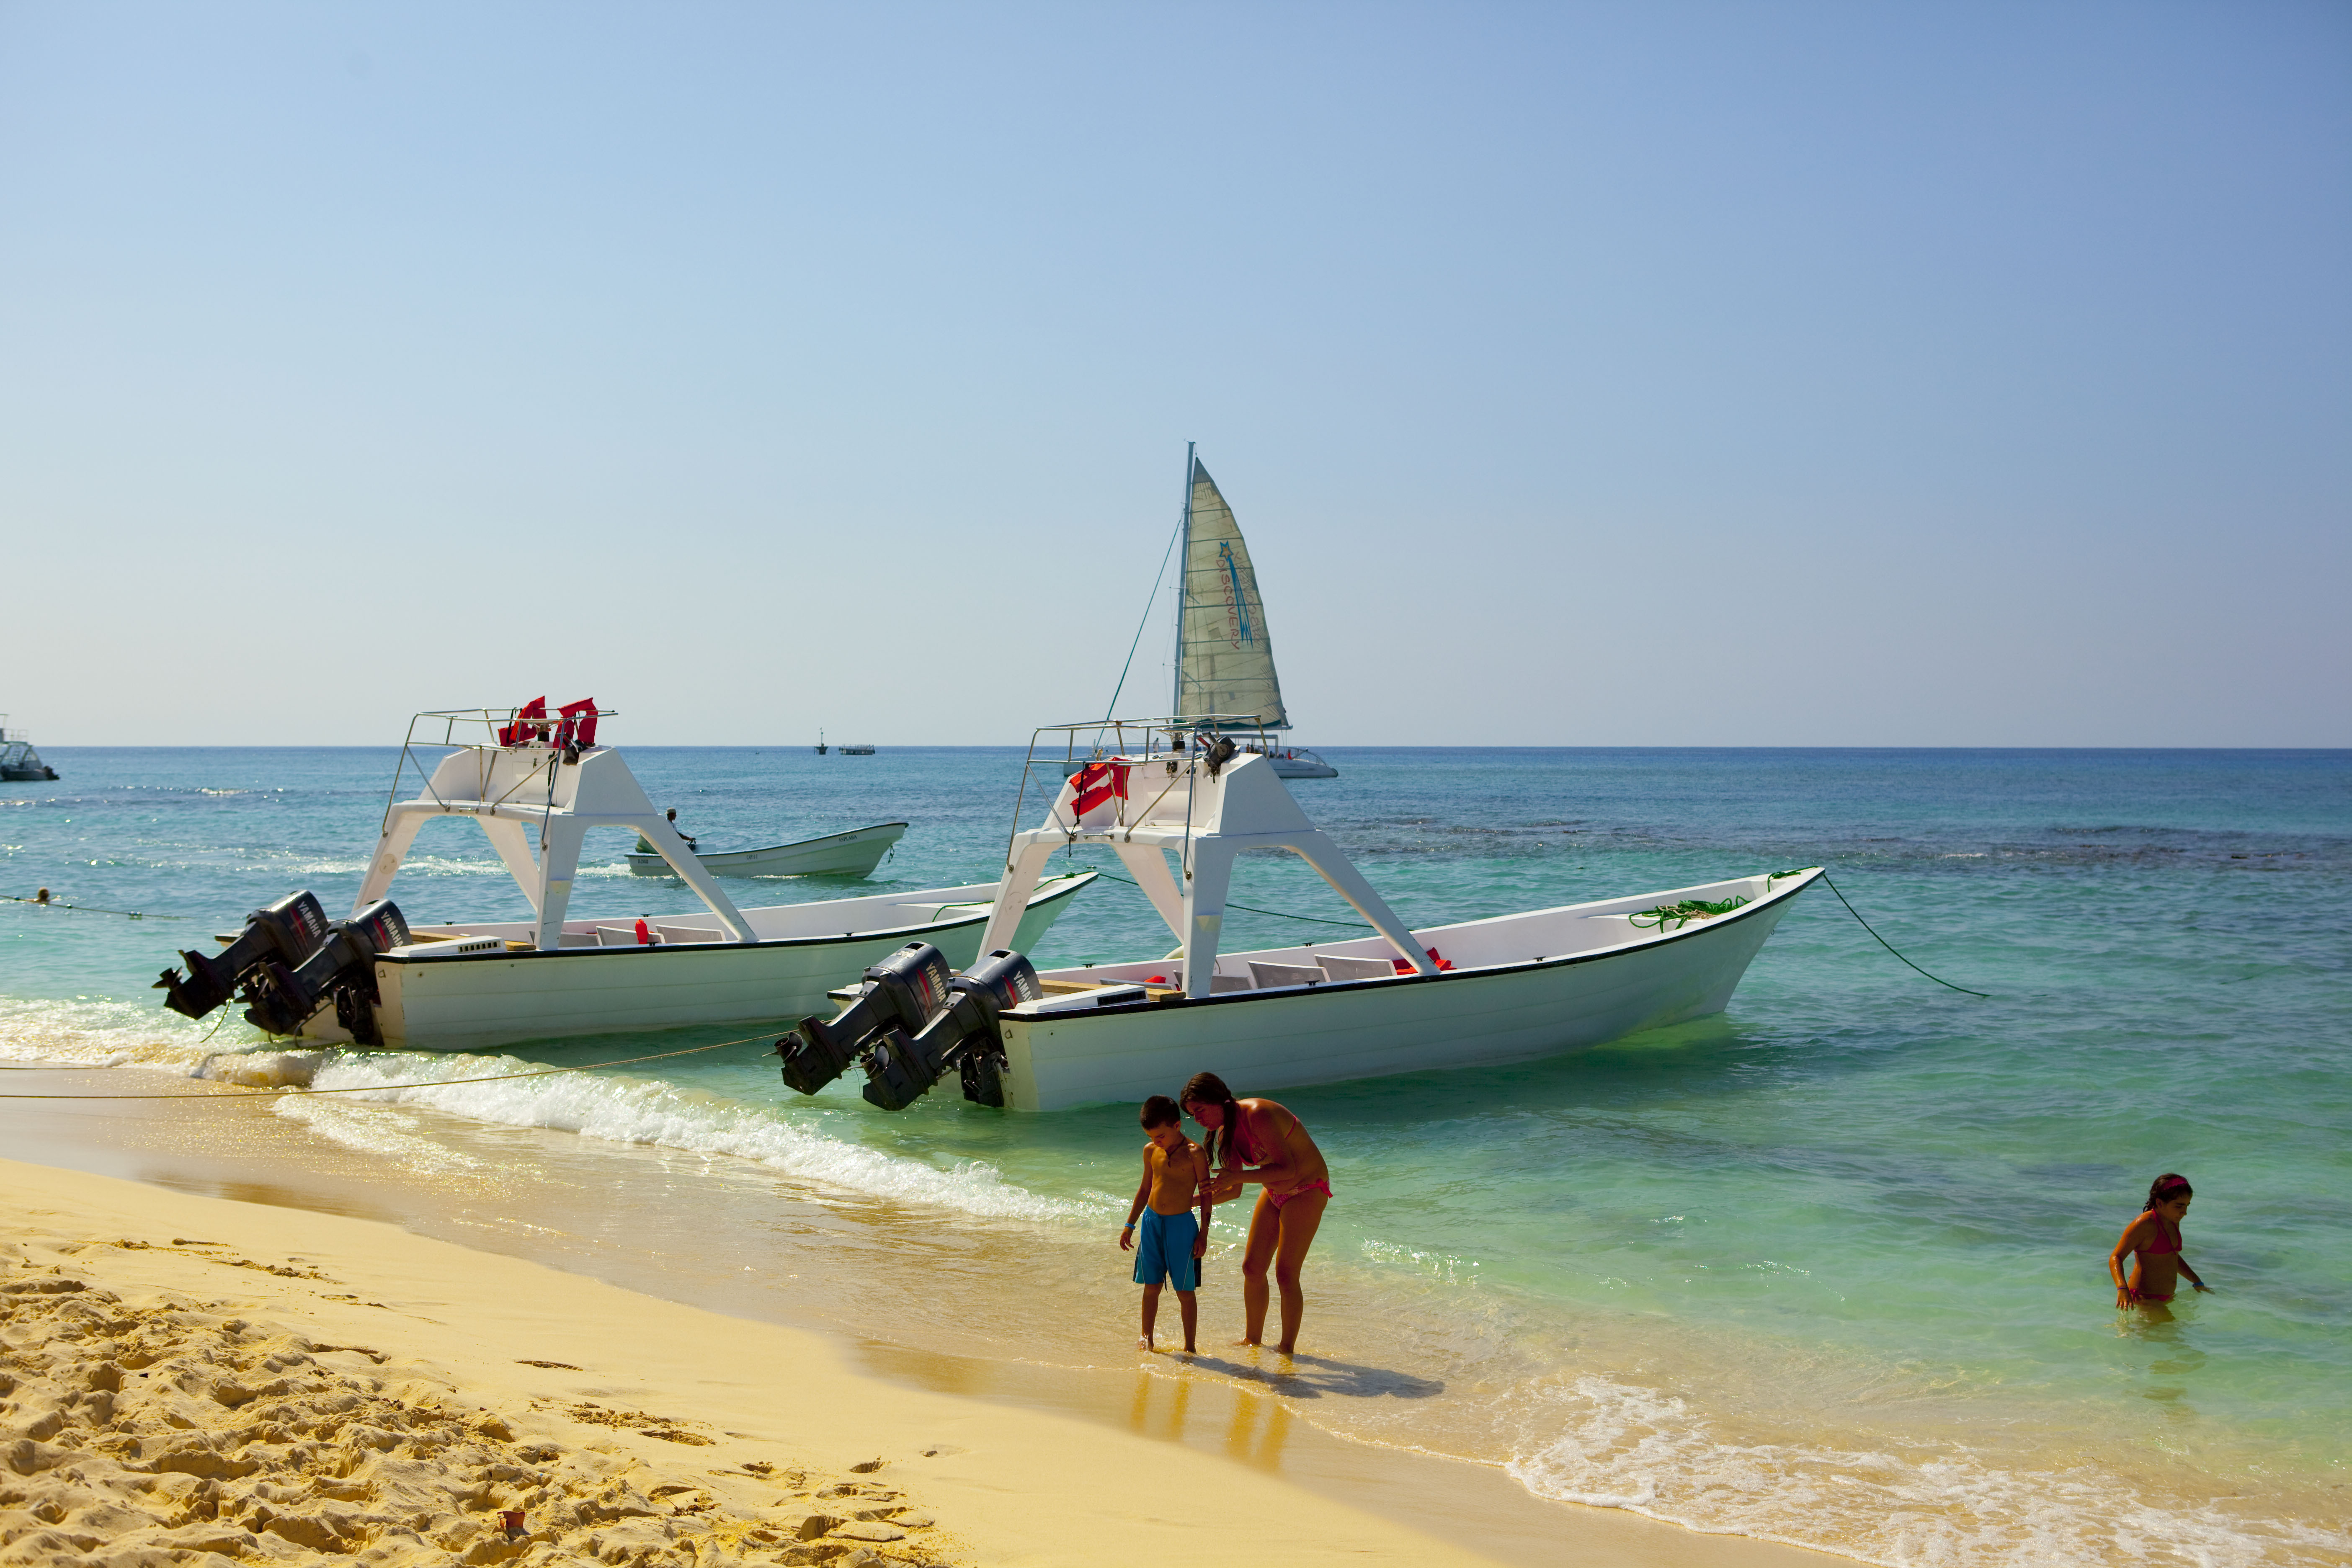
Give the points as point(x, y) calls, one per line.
point(1666, 374)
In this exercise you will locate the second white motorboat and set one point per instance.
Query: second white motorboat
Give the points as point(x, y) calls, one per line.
point(537, 783)
point(1477, 993)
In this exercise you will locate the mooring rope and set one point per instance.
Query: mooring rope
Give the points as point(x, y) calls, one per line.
point(88, 908)
point(283, 1091)
point(1892, 948)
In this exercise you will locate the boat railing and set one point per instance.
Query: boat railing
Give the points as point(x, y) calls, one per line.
point(1188, 733)
point(482, 729)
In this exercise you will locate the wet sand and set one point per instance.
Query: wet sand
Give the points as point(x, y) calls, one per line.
point(1025, 1462)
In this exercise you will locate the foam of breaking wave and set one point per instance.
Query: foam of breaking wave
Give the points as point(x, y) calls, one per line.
point(101, 1034)
point(1612, 1445)
point(644, 1112)
point(375, 1130)
point(649, 1112)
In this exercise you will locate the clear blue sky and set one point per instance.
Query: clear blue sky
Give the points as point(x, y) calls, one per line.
point(1810, 373)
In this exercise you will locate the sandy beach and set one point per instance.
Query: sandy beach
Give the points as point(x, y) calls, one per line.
point(194, 1379)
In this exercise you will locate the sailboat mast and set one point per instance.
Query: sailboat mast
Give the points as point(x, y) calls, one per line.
point(1184, 566)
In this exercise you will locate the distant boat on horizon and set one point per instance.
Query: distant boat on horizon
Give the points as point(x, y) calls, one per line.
point(19, 763)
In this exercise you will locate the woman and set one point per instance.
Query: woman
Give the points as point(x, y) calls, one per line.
point(1258, 1141)
point(2154, 1239)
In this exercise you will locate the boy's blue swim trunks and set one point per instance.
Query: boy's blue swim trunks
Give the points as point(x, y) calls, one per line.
point(1163, 1245)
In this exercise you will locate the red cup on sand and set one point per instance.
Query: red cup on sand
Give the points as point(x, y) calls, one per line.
point(510, 1521)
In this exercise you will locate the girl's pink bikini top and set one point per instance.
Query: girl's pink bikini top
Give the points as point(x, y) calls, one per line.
point(2169, 1242)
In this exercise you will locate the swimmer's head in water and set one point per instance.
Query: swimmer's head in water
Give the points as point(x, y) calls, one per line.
point(2168, 1188)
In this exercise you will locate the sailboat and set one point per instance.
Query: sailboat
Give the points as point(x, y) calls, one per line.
point(1224, 659)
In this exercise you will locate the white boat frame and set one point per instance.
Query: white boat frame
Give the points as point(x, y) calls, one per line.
point(1479, 993)
point(474, 984)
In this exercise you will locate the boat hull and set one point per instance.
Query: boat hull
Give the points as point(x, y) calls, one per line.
point(852, 854)
point(470, 1002)
point(1263, 1041)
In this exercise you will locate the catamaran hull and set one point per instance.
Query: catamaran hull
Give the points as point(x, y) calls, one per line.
point(471, 1001)
point(1377, 1028)
point(852, 854)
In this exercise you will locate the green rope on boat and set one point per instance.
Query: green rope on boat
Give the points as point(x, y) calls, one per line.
point(1673, 917)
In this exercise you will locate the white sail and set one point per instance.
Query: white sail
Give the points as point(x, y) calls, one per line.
point(1225, 662)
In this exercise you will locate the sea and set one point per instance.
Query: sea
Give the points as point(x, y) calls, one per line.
point(1828, 1268)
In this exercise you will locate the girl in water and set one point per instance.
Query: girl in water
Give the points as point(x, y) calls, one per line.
point(1258, 1141)
point(2154, 1239)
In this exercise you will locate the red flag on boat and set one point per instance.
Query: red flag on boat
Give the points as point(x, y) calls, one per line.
point(522, 728)
point(579, 726)
point(1097, 783)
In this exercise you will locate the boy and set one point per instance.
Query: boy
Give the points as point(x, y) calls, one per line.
point(1175, 1176)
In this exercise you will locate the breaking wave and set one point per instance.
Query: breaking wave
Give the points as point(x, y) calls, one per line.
point(1607, 1444)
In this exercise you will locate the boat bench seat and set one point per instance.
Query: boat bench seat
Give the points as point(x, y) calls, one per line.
point(1218, 984)
point(1266, 976)
point(671, 936)
point(1336, 967)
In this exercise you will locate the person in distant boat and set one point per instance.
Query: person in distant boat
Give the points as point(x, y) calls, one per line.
point(1175, 1177)
point(2154, 1239)
point(646, 848)
point(1258, 1141)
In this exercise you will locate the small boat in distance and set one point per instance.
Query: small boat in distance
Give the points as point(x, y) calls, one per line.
point(19, 763)
point(852, 854)
point(820, 742)
point(1224, 659)
point(856, 751)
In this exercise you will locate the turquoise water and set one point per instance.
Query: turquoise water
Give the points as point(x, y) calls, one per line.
point(1828, 1268)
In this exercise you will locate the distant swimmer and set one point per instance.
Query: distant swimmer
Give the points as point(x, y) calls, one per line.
point(2154, 1239)
point(1258, 1141)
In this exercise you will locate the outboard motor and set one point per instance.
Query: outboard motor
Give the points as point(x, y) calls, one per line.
point(290, 958)
point(287, 932)
point(902, 992)
point(964, 1039)
point(283, 996)
point(913, 1023)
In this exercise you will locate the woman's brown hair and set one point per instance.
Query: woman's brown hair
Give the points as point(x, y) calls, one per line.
point(2166, 1188)
point(1208, 1088)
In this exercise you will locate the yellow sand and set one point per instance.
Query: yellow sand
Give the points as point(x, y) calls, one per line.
point(195, 1381)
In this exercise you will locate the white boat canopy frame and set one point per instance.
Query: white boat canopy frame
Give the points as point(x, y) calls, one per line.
point(536, 801)
point(1202, 802)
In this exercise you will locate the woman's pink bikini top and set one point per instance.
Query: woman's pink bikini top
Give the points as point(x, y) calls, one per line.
point(2170, 1242)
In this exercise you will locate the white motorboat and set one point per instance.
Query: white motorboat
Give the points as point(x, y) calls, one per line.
point(1479, 993)
point(537, 783)
point(852, 854)
point(19, 763)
